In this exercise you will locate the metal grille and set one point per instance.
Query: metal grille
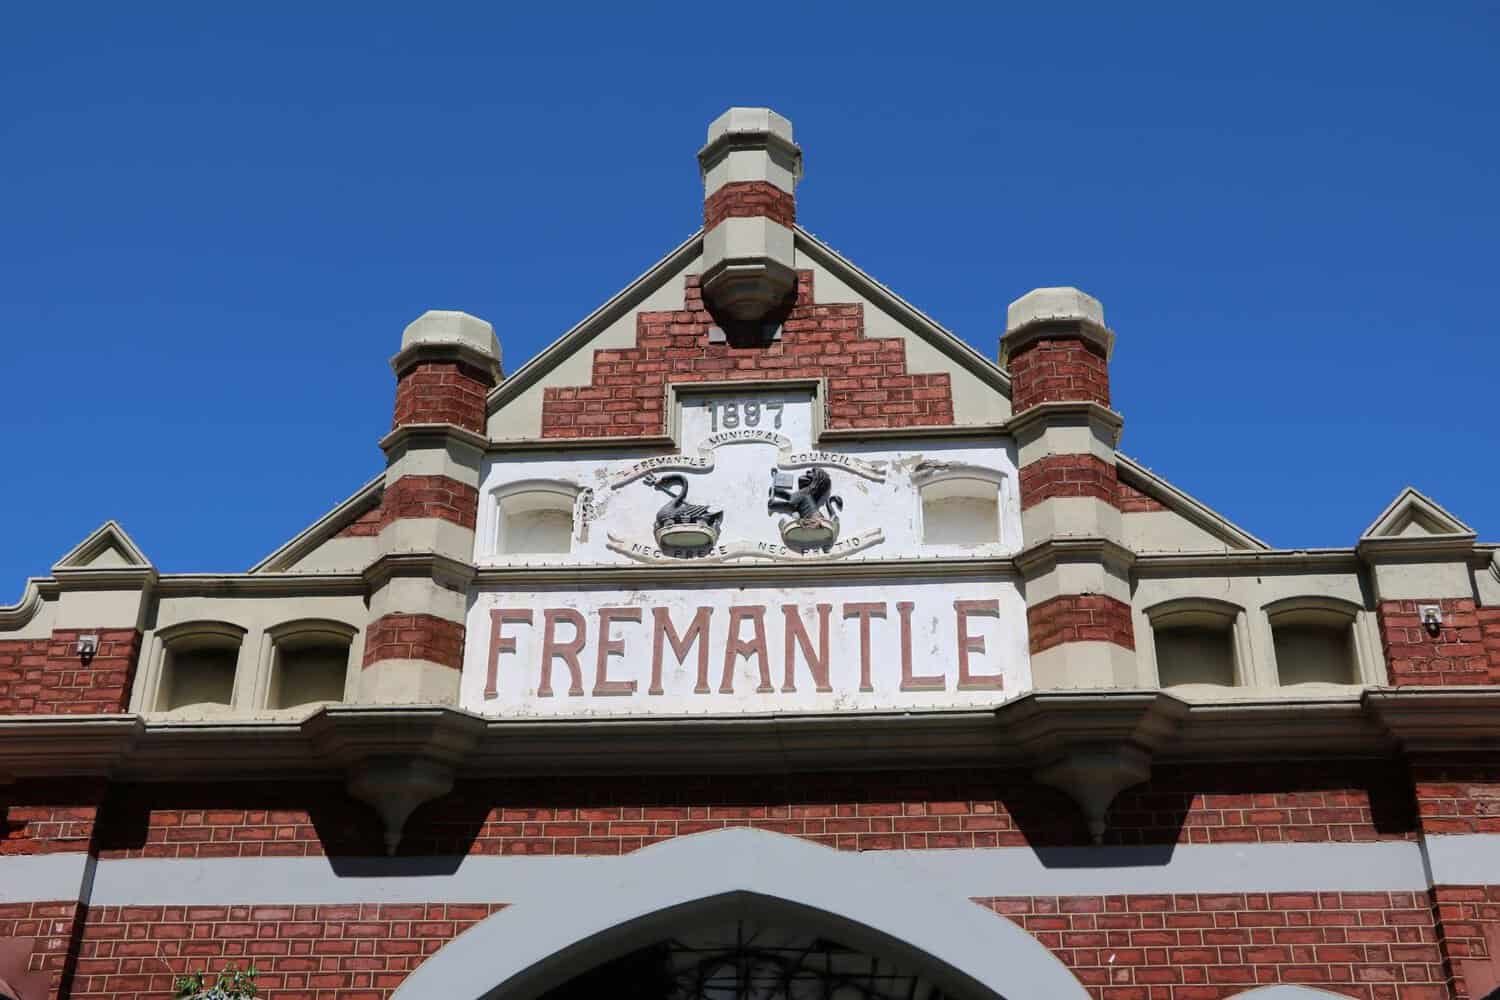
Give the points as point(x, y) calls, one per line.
point(747, 961)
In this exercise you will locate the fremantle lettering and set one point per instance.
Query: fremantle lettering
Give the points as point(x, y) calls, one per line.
point(602, 653)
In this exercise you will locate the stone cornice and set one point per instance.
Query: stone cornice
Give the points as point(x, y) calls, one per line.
point(1251, 561)
point(1416, 548)
point(447, 571)
point(1438, 719)
point(1042, 556)
point(743, 574)
point(15, 616)
point(258, 584)
point(419, 353)
point(431, 436)
point(1029, 730)
point(1068, 412)
point(662, 442)
point(105, 578)
point(1055, 327)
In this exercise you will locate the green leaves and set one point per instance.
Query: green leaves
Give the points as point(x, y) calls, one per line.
point(230, 984)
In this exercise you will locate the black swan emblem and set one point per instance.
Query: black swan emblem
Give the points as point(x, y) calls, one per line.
point(678, 510)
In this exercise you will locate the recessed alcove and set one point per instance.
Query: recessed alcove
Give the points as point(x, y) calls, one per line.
point(199, 664)
point(310, 664)
point(1314, 641)
point(1196, 642)
point(535, 518)
point(959, 507)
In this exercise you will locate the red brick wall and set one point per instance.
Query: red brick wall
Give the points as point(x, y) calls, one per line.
point(366, 525)
point(745, 199)
point(348, 952)
point(415, 637)
point(1048, 371)
point(880, 811)
point(1469, 934)
point(1369, 945)
point(1461, 795)
point(1068, 476)
point(52, 929)
point(46, 677)
point(430, 496)
point(868, 381)
point(1132, 501)
point(1079, 618)
point(1372, 945)
point(1489, 630)
point(1458, 654)
point(442, 392)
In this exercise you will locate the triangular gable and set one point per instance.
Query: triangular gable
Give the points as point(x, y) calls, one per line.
point(343, 516)
point(1414, 515)
point(569, 362)
point(1135, 476)
point(109, 547)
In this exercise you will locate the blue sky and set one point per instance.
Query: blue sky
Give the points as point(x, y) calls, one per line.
point(215, 223)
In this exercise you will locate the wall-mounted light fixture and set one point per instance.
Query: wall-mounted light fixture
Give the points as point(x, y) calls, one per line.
point(1432, 618)
point(88, 648)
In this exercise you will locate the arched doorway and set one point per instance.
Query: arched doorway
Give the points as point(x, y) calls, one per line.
point(744, 904)
point(751, 960)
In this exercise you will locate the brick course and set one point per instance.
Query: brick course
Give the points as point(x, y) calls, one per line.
point(1132, 501)
point(1459, 654)
point(1068, 476)
point(415, 637)
point(750, 199)
point(1228, 804)
point(442, 392)
point(1066, 369)
point(366, 525)
point(1079, 618)
point(1371, 945)
point(348, 952)
point(868, 381)
point(47, 677)
point(430, 496)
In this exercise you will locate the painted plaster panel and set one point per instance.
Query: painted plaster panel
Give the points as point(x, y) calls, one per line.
point(730, 443)
point(870, 646)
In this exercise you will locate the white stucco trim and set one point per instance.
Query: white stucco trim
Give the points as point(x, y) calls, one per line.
point(1384, 866)
point(529, 947)
point(1463, 858)
point(1287, 993)
point(35, 878)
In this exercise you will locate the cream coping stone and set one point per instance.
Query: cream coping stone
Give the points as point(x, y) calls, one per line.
point(450, 327)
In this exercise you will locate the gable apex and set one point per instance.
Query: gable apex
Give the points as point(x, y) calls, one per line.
point(108, 547)
point(1414, 515)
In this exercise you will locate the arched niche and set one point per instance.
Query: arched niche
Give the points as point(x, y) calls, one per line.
point(606, 908)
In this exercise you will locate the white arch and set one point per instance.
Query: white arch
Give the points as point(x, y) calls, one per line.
point(1288, 993)
point(632, 900)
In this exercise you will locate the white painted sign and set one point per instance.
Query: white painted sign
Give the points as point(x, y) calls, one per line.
point(813, 643)
point(680, 650)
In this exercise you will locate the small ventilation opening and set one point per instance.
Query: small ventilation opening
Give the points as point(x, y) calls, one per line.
point(198, 673)
point(960, 512)
point(308, 672)
point(536, 521)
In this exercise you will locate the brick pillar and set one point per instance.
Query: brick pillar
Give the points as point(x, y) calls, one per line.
point(1075, 567)
point(414, 643)
point(1458, 809)
point(750, 169)
point(1432, 630)
point(40, 937)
